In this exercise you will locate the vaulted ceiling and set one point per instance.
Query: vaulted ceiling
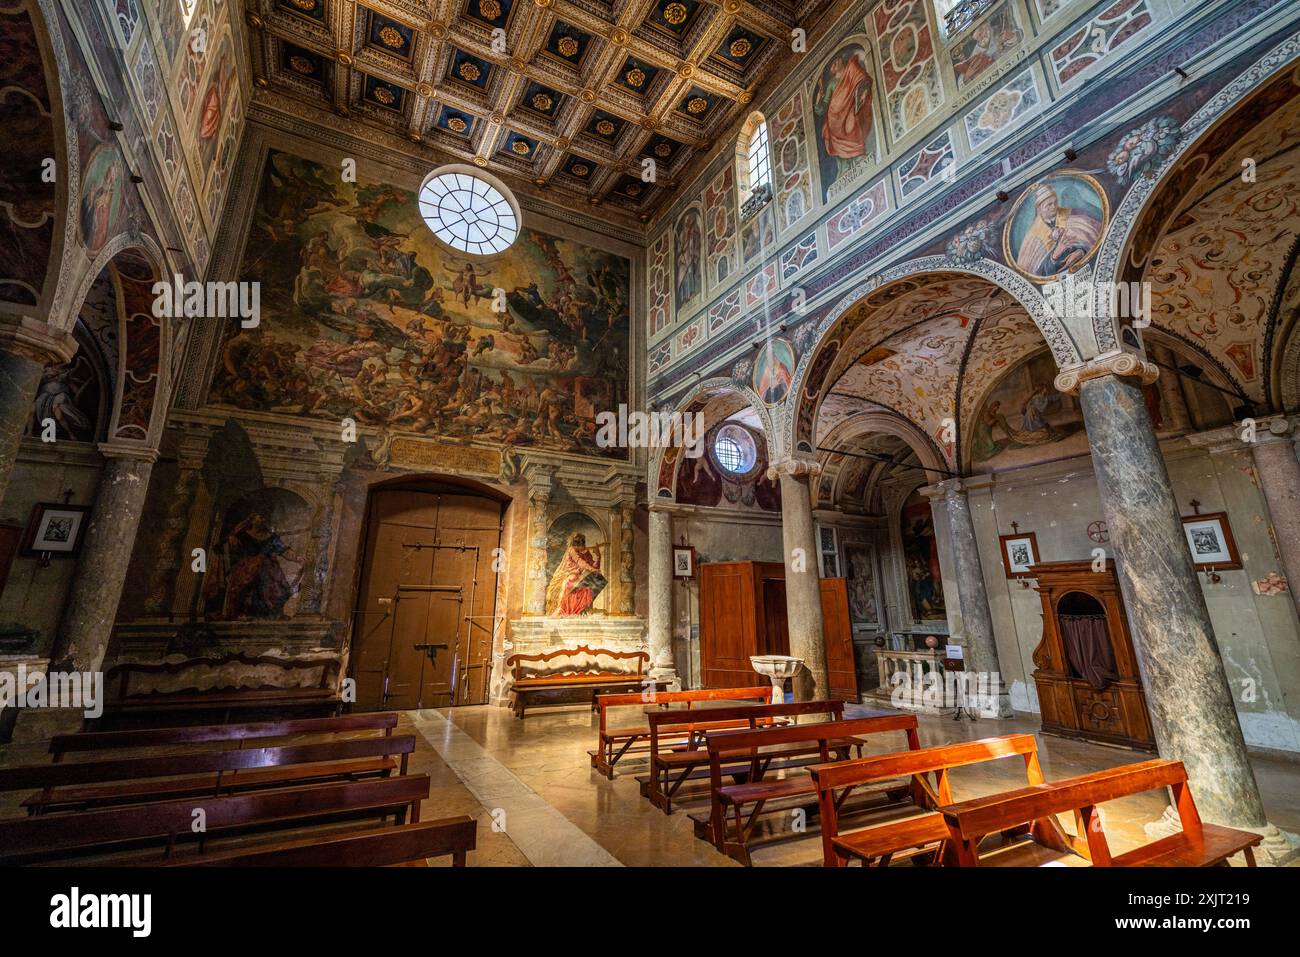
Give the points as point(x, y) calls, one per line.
point(570, 95)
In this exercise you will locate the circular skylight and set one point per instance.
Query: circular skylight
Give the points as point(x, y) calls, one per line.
point(734, 449)
point(468, 211)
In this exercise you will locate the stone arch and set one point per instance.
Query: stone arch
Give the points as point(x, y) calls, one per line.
point(49, 40)
point(663, 461)
point(1065, 350)
point(872, 422)
point(1131, 213)
point(148, 433)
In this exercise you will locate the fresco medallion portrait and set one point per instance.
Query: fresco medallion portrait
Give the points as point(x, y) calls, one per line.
point(1056, 226)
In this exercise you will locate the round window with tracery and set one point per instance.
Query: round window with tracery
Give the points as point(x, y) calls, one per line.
point(734, 450)
point(469, 211)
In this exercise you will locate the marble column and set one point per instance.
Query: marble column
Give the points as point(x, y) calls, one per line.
point(101, 570)
point(27, 346)
point(1187, 691)
point(1278, 471)
point(803, 596)
point(660, 560)
point(973, 600)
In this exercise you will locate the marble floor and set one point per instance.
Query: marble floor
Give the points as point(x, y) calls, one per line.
point(539, 803)
point(551, 807)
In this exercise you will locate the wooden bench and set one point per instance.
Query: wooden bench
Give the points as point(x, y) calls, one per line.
point(85, 741)
point(827, 738)
point(72, 834)
point(140, 780)
point(1196, 845)
point(613, 743)
point(384, 847)
point(130, 703)
point(927, 832)
point(535, 674)
point(674, 760)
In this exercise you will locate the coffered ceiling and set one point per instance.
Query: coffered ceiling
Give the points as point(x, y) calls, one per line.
point(570, 95)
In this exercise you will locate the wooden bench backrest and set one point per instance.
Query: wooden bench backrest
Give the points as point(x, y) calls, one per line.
point(882, 767)
point(517, 663)
point(62, 744)
point(914, 763)
point(822, 732)
point(975, 818)
point(199, 762)
point(376, 848)
point(689, 698)
point(51, 833)
point(656, 717)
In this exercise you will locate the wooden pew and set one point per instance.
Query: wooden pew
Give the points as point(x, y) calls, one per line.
point(826, 738)
point(311, 687)
point(589, 677)
point(72, 834)
point(1196, 845)
point(85, 741)
point(882, 842)
point(613, 743)
point(138, 780)
point(669, 757)
point(385, 847)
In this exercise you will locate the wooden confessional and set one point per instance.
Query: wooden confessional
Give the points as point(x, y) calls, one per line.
point(1085, 667)
point(742, 613)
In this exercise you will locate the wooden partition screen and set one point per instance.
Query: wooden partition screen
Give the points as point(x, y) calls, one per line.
point(743, 613)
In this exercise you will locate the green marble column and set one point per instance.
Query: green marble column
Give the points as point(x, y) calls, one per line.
point(1187, 691)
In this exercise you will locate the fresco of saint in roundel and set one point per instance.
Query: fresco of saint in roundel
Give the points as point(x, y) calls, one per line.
point(1056, 226)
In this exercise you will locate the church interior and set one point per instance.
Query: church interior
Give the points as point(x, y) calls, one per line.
point(642, 433)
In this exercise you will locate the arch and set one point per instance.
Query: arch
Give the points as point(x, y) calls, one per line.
point(1064, 349)
point(878, 422)
point(423, 480)
point(148, 433)
point(1131, 213)
point(49, 40)
point(708, 389)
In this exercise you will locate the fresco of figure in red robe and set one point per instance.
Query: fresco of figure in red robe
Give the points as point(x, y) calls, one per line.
point(577, 580)
point(846, 132)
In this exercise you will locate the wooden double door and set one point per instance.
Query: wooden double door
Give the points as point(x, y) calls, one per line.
point(743, 613)
point(423, 632)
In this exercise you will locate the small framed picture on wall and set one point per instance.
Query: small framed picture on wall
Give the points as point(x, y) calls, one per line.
point(55, 529)
point(683, 561)
point(1210, 539)
point(1019, 551)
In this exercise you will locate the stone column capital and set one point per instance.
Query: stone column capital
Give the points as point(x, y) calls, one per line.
point(1125, 364)
point(137, 453)
point(36, 340)
point(794, 466)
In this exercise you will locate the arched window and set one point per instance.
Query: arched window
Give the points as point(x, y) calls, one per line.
point(954, 16)
point(753, 165)
point(760, 162)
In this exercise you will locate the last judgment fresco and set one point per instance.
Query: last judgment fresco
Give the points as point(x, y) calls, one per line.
point(365, 316)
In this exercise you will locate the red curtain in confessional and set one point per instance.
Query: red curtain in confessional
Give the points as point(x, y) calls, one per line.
point(1088, 649)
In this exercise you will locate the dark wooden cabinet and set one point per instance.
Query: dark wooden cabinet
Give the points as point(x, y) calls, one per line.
point(1085, 668)
point(743, 613)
